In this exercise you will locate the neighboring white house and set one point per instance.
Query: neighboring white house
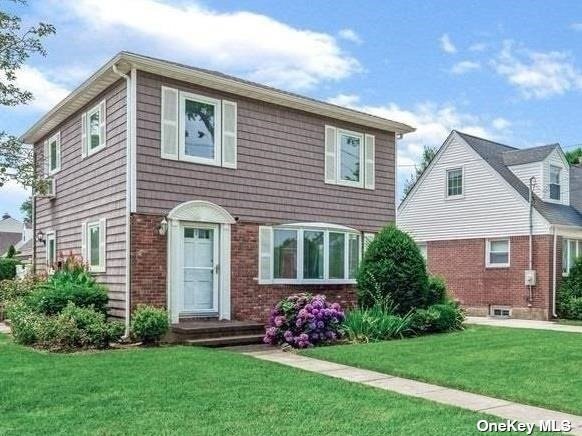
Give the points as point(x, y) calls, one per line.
point(470, 213)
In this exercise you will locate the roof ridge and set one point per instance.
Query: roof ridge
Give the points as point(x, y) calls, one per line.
point(485, 139)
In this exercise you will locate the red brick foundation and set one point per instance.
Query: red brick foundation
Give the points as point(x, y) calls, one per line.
point(462, 264)
point(249, 300)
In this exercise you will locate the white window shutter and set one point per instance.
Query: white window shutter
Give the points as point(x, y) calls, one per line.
point(265, 253)
point(84, 134)
point(369, 161)
point(330, 155)
point(46, 158)
point(368, 238)
point(102, 243)
point(102, 123)
point(229, 139)
point(169, 123)
point(84, 242)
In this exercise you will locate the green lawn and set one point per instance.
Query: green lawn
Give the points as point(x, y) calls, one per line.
point(529, 366)
point(186, 390)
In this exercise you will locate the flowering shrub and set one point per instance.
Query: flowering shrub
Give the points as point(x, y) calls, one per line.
point(303, 320)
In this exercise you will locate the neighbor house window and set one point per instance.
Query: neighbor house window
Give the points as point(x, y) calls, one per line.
point(93, 129)
point(51, 250)
point(497, 253)
point(308, 254)
point(555, 173)
point(455, 182)
point(53, 153)
point(93, 245)
point(571, 249)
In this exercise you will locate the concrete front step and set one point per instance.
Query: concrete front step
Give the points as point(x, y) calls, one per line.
point(202, 330)
point(226, 341)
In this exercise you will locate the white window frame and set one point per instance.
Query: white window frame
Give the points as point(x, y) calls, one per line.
point(301, 228)
point(340, 181)
point(454, 196)
point(90, 112)
point(183, 96)
point(560, 169)
point(566, 252)
point(50, 236)
point(55, 138)
point(100, 224)
point(488, 263)
point(423, 248)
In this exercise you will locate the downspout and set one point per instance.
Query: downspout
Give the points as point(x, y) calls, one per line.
point(128, 191)
point(554, 314)
point(530, 259)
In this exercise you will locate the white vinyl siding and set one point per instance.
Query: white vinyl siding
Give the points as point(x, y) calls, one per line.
point(308, 255)
point(349, 158)
point(455, 180)
point(526, 171)
point(93, 129)
point(93, 248)
point(484, 211)
point(497, 253)
point(555, 160)
point(209, 140)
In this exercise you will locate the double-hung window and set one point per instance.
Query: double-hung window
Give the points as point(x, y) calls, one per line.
point(197, 128)
point(308, 254)
point(497, 253)
point(349, 158)
point(51, 249)
point(93, 129)
point(555, 173)
point(52, 150)
point(93, 244)
point(454, 188)
point(571, 249)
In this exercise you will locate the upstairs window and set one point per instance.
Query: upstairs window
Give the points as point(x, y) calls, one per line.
point(350, 157)
point(555, 173)
point(52, 151)
point(296, 254)
point(93, 129)
point(497, 253)
point(455, 182)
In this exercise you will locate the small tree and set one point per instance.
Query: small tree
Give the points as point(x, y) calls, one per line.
point(428, 154)
point(393, 269)
point(11, 252)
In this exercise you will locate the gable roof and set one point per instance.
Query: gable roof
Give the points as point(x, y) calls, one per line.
point(11, 225)
point(529, 155)
point(494, 154)
point(125, 61)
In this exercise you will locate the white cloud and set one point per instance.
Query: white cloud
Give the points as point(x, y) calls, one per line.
point(350, 35)
point(536, 74)
point(500, 123)
point(465, 67)
point(46, 93)
point(12, 195)
point(433, 123)
point(576, 26)
point(447, 45)
point(247, 43)
point(478, 47)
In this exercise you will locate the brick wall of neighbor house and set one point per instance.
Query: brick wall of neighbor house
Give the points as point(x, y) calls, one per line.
point(462, 264)
point(249, 300)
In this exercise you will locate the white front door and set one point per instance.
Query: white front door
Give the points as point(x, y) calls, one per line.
point(200, 269)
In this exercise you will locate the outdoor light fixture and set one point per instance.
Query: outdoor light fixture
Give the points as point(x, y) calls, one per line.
point(163, 227)
point(40, 237)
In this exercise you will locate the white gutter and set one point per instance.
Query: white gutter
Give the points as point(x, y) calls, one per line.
point(128, 194)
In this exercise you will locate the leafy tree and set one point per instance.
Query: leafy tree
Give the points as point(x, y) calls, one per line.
point(573, 156)
point(11, 252)
point(17, 44)
point(26, 209)
point(428, 154)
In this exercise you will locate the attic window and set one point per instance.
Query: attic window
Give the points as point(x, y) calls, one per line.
point(555, 182)
point(455, 182)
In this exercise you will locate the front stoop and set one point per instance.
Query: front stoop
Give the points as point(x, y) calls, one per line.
point(215, 333)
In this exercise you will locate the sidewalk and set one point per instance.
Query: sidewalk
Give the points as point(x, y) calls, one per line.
point(523, 324)
point(478, 403)
point(4, 328)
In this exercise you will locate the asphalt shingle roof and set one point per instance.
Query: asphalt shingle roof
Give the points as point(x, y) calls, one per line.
point(496, 155)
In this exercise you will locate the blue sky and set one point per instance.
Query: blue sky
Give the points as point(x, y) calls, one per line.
point(509, 71)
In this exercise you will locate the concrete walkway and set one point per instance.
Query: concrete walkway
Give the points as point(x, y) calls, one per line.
point(479, 403)
point(4, 328)
point(523, 324)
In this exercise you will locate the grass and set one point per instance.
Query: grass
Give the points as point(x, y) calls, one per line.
point(187, 390)
point(569, 321)
point(529, 366)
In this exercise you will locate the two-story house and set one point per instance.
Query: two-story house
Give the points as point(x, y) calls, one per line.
point(501, 251)
point(207, 194)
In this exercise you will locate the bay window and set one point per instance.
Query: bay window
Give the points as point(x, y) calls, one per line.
point(308, 253)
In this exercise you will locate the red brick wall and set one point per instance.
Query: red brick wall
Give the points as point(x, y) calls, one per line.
point(249, 300)
point(148, 262)
point(462, 264)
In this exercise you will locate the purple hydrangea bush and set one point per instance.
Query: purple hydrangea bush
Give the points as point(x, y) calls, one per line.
point(304, 320)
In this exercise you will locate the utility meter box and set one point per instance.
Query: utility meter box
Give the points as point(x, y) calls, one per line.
point(530, 277)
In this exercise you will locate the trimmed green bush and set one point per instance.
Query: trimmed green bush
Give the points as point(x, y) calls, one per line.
point(96, 331)
point(443, 317)
point(8, 268)
point(23, 322)
point(393, 268)
point(437, 290)
point(570, 293)
point(149, 324)
point(11, 252)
